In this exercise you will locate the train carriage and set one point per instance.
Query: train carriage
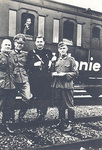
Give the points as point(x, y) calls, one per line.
point(56, 21)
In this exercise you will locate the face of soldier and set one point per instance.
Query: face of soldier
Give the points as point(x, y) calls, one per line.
point(39, 43)
point(18, 45)
point(63, 50)
point(6, 45)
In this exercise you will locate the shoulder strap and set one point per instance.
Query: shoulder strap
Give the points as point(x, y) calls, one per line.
point(38, 56)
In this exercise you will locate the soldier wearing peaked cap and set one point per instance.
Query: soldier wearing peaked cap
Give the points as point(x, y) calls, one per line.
point(19, 38)
point(65, 42)
point(20, 74)
point(64, 72)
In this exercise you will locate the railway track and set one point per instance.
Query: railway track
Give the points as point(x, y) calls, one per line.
point(87, 130)
point(75, 142)
point(87, 144)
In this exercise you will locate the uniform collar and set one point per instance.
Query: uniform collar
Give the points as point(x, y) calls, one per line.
point(18, 52)
point(6, 53)
point(63, 57)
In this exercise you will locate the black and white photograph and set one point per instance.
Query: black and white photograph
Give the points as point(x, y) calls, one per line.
point(50, 75)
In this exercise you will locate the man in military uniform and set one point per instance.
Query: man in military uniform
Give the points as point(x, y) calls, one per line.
point(39, 64)
point(7, 86)
point(65, 70)
point(20, 74)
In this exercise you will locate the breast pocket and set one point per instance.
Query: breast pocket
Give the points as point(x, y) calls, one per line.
point(3, 60)
point(2, 75)
point(56, 65)
point(67, 67)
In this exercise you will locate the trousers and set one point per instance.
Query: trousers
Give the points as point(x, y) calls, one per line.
point(7, 105)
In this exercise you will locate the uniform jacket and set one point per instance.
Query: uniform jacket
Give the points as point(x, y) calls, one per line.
point(66, 65)
point(20, 74)
point(7, 66)
point(45, 56)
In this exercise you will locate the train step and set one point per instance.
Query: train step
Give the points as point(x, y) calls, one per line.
point(82, 97)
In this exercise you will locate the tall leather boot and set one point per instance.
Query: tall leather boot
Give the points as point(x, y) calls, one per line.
point(22, 112)
point(67, 126)
point(61, 119)
point(42, 115)
point(21, 115)
point(70, 114)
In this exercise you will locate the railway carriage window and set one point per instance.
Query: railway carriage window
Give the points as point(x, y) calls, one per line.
point(12, 23)
point(96, 32)
point(55, 31)
point(27, 24)
point(68, 30)
point(41, 25)
point(79, 34)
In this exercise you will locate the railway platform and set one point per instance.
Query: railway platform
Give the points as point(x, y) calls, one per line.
point(86, 133)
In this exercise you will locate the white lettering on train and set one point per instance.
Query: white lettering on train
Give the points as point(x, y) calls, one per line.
point(88, 66)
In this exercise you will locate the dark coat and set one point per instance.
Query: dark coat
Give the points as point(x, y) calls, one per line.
point(32, 58)
point(39, 77)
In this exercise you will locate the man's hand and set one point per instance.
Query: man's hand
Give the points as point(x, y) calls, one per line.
point(54, 58)
point(38, 64)
point(49, 65)
point(54, 74)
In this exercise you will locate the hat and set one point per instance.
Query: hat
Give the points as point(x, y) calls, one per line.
point(65, 42)
point(20, 38)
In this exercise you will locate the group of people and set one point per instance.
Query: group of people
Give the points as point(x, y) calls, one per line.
point(38, 76)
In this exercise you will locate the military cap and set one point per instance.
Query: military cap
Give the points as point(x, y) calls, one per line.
point(20, 38)
point(65, 42)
